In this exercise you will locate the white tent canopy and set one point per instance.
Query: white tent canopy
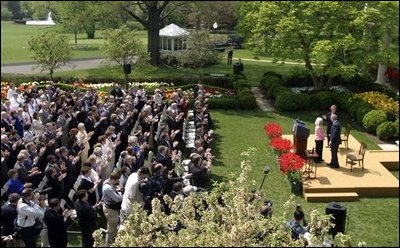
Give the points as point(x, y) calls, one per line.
point(173, 38)
point(173, 30)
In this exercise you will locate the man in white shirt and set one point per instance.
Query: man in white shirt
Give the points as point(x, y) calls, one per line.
point(29, 208)
point(132, 193)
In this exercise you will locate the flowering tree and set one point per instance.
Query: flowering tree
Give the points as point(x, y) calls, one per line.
point(229, 215)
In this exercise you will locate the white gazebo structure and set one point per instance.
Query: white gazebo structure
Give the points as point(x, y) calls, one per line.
point(173, 38)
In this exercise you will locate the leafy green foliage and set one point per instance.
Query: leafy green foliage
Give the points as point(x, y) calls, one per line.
point(386, 130)
point(50, 50)
point(373, 119)
point(122, 46)
point(289, 101)
point(200, 51)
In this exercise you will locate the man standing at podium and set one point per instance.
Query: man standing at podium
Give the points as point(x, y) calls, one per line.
point(335, 141)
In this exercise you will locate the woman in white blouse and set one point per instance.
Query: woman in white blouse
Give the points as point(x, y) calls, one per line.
point(83, 140)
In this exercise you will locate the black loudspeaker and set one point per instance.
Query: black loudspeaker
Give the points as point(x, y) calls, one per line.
point(127, 69)
point(339, 214)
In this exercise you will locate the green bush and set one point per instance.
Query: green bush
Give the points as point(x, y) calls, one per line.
point(269, 82)
point(396, 124)
point(269, 74)
point(358, 108)
point(222, 103)
point(246, 99)
point(271, 88)
point(297, 78)
point(372, 120)
point(323, 99)
point(169, 58)
point(289, 101)
point(386, 130)
point(242, 84)
point(344, 100)
point(280, 89)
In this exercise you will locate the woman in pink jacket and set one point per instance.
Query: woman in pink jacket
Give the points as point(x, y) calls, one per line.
point(319, 138)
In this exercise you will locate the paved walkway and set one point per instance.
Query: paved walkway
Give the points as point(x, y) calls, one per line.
point(30, 68)
point(262, 102)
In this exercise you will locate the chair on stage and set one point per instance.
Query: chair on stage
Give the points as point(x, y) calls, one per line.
point(353, 157)
point(345, 137)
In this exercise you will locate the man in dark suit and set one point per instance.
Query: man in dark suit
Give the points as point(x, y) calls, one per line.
point(163, 158)
point(86, 218)
point(327, 117)
point(335, 141)
point(56, 226)
point(9, 214)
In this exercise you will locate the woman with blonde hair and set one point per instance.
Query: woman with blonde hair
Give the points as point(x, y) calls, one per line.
point(319, 138)
point(83, 140)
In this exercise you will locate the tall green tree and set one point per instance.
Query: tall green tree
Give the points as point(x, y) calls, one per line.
point(50, 51)
point(123, 47)
point(380, 22)
point(319, 33)
point(150, 14)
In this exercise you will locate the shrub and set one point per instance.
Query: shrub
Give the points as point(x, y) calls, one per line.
point(386, 130)
point(322, 99)
point(221, 103)
point(278, 90)
point(297, 78)
point(270, 74)
point(288, 101)
point(372, 120)
point(271, 88)
point(396, 124)
point(242, 84)
point(382, 102)
point(344, 100)
point(169, 58)
point(358, 108)
point(269, 82)
point(273, 130)
point(247, 99)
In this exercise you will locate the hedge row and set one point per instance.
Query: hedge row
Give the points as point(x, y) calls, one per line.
point(245, 98)
point(224, 82)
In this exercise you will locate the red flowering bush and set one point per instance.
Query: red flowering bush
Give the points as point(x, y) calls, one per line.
point(281, 145)
point(291, 165)
point(273, 130)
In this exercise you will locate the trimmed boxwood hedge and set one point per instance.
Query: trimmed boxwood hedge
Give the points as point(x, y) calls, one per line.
point(386, 130)
point(373, 119)
point(289, 101)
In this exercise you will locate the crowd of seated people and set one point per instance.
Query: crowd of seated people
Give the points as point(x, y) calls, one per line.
point(62, 149)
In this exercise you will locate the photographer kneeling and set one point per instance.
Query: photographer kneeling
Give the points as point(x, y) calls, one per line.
point(298, 224)
point(30, 210)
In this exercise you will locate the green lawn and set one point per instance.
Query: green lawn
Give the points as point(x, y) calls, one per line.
point(14, 42)
point(373, 220)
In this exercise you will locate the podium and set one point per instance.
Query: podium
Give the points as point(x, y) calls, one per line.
point(300, 137)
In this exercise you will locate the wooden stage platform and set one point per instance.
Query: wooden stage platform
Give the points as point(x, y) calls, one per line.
point(344, 185)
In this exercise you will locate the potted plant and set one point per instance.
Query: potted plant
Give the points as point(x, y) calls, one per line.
point(291, 165)
point(281, 145)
